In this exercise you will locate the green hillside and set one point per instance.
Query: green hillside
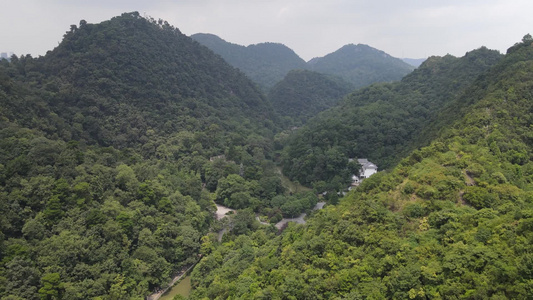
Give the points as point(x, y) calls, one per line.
point(106, 181)
point(452, 220)
point(381, 122)
point(303, 94)
point(264, 63)
point(361, 65)
point(154, 77)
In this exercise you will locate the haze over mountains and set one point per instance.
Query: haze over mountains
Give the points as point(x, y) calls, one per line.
point(268, 63)
point(265, 63)
point(116, 145)
point(302, 94)
point(415, 62)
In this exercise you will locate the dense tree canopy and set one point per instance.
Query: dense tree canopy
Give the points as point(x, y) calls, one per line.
point(303, 94)
point(106, 145)
point(268, 63)
point(361, 65)
point(116, 145)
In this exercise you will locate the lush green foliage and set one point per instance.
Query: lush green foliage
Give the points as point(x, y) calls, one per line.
point(303, 94)
point(105, 147)
point(265, 63)
point(452, 221)
point(361, 65)
point(382, 122)
point(115, 144)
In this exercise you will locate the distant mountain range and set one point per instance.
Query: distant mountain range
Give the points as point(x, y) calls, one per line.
point(265, 63)
point(268, 63)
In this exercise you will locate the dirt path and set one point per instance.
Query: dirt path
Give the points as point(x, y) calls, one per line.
point(222, 211)
point(298, 220)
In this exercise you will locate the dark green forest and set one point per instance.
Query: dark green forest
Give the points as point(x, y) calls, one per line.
point(268, 63)
point(302, 94)
point(107, 185)
point(117, 145)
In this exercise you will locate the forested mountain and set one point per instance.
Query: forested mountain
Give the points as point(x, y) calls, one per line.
point(147, 76)
point(264, 63)
point(115, 146)
point(381, 122)
point(361, 65)
point(106, 181)
point(453, 220)
point(302, 94)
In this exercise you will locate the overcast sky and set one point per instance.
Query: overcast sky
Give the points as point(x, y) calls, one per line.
point(408, 28)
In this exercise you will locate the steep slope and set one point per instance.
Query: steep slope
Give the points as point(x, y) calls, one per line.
point(381, 122)
point(361, 65)
point(303, 94)
point(264, 63)
point(105, 169)
point(452, 220)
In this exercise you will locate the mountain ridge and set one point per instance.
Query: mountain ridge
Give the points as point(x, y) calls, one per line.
point(265, 63)
point(361, 65)
point(371, 65)
point(381, 121)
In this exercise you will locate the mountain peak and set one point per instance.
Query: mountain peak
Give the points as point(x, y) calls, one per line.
point(361, 65)
point(142, 63)
point(265, 63)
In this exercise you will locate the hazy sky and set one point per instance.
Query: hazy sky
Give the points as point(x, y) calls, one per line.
point(408, 28)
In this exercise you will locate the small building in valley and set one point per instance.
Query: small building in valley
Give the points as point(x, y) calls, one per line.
point(367, 169)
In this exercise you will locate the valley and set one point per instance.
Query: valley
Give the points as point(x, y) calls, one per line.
point(133, 156)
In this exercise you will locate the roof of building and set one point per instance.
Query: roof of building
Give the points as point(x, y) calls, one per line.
point(365, 164)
